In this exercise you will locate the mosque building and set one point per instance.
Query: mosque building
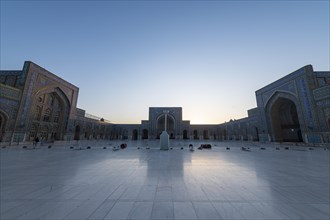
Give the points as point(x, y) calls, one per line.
point(36, 103)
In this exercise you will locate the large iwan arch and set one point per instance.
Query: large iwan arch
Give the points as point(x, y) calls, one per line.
point(285, 118)
point(50, 112)
point(170, 125)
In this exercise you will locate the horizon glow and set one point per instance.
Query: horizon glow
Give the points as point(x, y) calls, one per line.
point(207, 57)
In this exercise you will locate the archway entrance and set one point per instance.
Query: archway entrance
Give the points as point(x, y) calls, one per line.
point(44, 133)
point(3, 123)
point(77, 133)
point(256, 134)
point(185, 134)
point(224, 134)
point(50, 112)
point(135, 135)
point(285, 121)
point(205, 134)
point(124, 134)
point(145, 134)
point(196, 135)
point(170, 126)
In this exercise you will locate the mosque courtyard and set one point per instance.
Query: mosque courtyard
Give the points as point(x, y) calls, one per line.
point(142, 182)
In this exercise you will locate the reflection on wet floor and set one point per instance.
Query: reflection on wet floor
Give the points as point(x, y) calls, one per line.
point(140, 183)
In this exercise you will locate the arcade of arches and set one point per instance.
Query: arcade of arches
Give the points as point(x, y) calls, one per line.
point(37, 103)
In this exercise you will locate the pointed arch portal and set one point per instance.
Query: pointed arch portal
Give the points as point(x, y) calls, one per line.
point(170, 125)
point(285, 121)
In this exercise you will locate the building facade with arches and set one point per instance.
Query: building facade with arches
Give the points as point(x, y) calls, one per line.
point(296, 108)
point(36, 103)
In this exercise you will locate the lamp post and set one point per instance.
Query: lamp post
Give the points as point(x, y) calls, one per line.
point(164, 138)
point(166, 112)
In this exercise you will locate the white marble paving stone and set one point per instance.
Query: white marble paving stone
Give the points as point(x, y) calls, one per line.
point(184, 210)
point(151, 181)
point(162, 210)
point(178, 182)
point(141, 210)
point(120, 210)
point(213, 193)
point(288, 210)
point(16, 212)
point(246, 195)
point(53, 193)
point(147, 193)
point(309, 212)
point(17, 191)
point(118, 192)
point(103, 194)
point(205, 210)
point(7, 205)
point(131, 193)
point(164, 181)
point(61, 209)
point(197, 194)
point(322, 194)
point(102, 210)
point(298, 194)
point(42, 189)
point(248, 211)
point(152, 184)
point(38, 212)
point(324, 208)
point(269, 211)
point(84, 210)
point(87, 193)
point(163, 193)
point(71, 193)
point(266, 194)
point(226, 210)
point(180, 193)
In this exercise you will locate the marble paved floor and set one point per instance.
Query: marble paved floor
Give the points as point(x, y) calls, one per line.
point(97, 183)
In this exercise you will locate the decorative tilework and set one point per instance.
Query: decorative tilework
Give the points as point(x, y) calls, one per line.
point(156, 112)
point(261, 113)
point(322, 73)
point(289, 87)
point(28, 98)
point(287, 78)
point(10, 92)
point(314, 138)
point(24, 73)
point(327, 110)
point(42, 81)
point(306, 103)
point(324, 103)
point(8, 102)
point(322, 93)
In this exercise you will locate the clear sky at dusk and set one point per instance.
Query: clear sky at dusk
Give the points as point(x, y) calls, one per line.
point(208, 57)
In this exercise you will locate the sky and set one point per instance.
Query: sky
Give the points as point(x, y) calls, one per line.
point(208, 57)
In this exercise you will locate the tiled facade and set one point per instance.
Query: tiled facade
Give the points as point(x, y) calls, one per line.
point(296, 107)
point(35, 102)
